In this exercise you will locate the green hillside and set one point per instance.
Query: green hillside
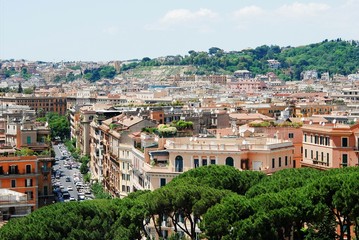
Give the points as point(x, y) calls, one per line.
point(335, 57)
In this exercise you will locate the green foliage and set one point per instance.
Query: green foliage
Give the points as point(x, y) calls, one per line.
point(166, 131)
point(149, 129)
point(98, 73)
point(335, 57)
point(20, 89)
point(9, 72)
point(99, 192)
point(86, 220)
point(273, 124)
point(25, 152)
point(28, 90)
point(223, 202)
point(59, 125)
point(182, 125)
point(25, 74)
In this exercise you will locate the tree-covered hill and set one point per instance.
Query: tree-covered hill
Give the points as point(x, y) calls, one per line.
point(223, 202)
point(335, 57)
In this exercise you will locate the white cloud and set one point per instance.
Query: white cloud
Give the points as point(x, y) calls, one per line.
point(111, 30)
point(178, 16)
point(200, 20)
point(249, 11)
point(303, 9)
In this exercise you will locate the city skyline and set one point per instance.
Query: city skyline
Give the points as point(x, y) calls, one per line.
point(118, 30)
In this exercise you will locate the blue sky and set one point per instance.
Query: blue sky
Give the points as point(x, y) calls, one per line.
point(72, 30)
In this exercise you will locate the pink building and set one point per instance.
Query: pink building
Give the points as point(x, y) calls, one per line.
point(330, 145)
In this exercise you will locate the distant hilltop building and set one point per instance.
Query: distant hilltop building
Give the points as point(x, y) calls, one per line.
point(310, 74)
point(244, 74)
point(274, 64)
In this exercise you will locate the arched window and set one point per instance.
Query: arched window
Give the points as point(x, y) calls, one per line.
point(179, 163)
point(229, 161)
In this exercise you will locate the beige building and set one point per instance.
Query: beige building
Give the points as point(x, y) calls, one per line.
point(182, 154)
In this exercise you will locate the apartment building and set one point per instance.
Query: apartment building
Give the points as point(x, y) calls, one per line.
point(330, 145)
point(23, 132)
point(310, 109)
point(30, 175)
point(118, 149)
point(248, 85)
point(13, 204)
point(40, 103)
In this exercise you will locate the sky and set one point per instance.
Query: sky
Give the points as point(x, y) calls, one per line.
point(89, 30)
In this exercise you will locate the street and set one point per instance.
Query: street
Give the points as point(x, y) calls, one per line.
point(62, 156)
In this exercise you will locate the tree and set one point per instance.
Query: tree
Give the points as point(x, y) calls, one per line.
point(19, 89)
point(59, 125)
point(28, 90)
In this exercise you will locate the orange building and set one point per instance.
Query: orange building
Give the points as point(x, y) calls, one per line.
point(30, 175)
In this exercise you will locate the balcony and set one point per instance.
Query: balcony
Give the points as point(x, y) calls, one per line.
point(317, 164)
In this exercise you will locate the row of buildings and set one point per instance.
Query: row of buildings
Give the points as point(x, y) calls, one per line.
point(25, 162)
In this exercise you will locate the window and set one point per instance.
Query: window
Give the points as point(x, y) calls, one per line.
point(321, 140)
point(162, 182)
point(345, 160)
point(128, 189)
point(30, 195)
point(229, 161)
point(286, 160)
point(291, 135)
point(123, 188)
point(1, 170)
point(13, 169)
point(13, 183)
point(46, 192)
point(311, 154)
point(28, 168)
point(327, 141)
point(311, 138)
point(128, 177)
point(179, 164)
point(344, 142)
point(305, 153)
point(316, 141)
point(28, 139)
point(204, 162)
point(123, 177)
point(28, 182)
point(305, 137)
point(279, 162)
point(196, 163)
point(273, 163)
point(327, 159)
point(322, 156)
point(213, 161)
point(316, 155)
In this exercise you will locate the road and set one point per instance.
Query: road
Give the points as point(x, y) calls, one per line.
point(66, 172)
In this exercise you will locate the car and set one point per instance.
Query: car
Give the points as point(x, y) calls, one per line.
point(66, 196)
point(81, 197)
point(69, 188)
point(62, 187)
point(68, 179)
point(79, 184)
point(72, 199)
